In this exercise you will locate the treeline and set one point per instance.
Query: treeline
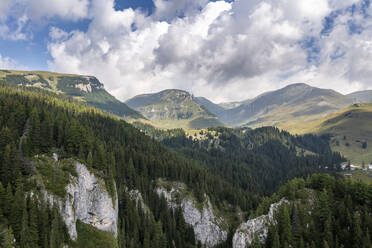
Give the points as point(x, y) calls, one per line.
point(259, 160)
point(324, 212)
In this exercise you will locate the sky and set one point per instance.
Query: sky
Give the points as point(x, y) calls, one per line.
point(222, 50)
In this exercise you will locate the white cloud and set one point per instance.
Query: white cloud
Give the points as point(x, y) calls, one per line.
point(57, 33)
point(224, 51)
point(7, 63)
point(66, 9)
point(18, 17)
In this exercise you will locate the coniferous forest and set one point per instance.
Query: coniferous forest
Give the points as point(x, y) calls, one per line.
point(236, 168)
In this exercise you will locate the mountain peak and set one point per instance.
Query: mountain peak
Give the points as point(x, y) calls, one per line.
point(173, 108)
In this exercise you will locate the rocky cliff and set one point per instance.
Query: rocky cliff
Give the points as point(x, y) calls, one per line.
point(208, 227)
point(86, 200)
point(246, 232)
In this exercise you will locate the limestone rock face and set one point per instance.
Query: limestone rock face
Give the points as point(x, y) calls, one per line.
point(246, 232)
point(136, 196)
point(88, 201)
point(207, 226)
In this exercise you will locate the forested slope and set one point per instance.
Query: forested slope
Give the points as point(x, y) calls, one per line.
point(322, 212)
point(233, 169)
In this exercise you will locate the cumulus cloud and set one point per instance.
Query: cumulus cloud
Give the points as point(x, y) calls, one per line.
point(7, 63)
point(221, 50)
point(17, 17)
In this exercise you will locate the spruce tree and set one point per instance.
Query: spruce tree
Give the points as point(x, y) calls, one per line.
point(35, 134)
point(284, 224)
point(24, 235)
point(18, 209)
point(33, 224)
point(357, 231)
point(8, 239)
point(8, 201)
point(276, 240)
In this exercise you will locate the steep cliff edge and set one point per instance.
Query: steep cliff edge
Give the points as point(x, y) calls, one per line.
point(246, 232)
point(87, 200)
point(208, 227)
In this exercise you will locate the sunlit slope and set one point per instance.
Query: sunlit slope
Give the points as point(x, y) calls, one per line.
point(84, 88)
point(286, 107)
point(173, 109)
point(351, 131)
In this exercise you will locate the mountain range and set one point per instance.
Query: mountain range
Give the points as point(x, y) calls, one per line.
point(286, 108)
point(74, 176)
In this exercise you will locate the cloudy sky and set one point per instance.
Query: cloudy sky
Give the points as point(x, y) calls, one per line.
point(224, 50)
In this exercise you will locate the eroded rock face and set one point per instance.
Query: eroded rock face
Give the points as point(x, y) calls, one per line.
point(207, 226)
point(88, 201)
point(247, 231)
point(136, 196)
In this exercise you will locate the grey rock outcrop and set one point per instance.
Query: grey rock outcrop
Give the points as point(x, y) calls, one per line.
point(88, 201)
point(136, 196)
point(207, 226)
point(246, 232)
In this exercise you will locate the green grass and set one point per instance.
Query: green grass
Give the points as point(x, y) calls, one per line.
point(91, 237)
point(359, 175)
point(55, 175)
point(349, 128)
point(66, 84)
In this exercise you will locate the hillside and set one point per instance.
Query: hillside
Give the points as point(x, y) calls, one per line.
point(111, 185)
point(83, 88)
point(173, 109)
point(84, 175)
point(350, 131)
point(361, 96)
point(284, 108)
point(209, 105)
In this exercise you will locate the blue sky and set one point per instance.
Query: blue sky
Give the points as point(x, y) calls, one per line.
point(224, 50)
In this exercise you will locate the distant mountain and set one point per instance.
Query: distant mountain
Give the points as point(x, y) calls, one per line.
point(174, 109)
point(286, 107)
point(229, 105)
point(361, 96)
point(350, 131)
point(210, 106)
point(85, 88)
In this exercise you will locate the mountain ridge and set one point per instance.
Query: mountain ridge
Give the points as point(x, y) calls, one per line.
point(174, 108)
point(83, 88)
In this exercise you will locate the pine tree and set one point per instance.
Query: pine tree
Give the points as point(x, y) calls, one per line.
point(5, 139)
point(357, 231)
point(46, 132)
point(55, 233)
point(284, 224)
point(2, 197)
point(35, 134)
point(24, 235)
point(8, 201)
point(9, 169)
point(18, 206)
point(90, 159)
point(44, 224)
point(8, 239)
point(33, 224)
point(276, 241)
